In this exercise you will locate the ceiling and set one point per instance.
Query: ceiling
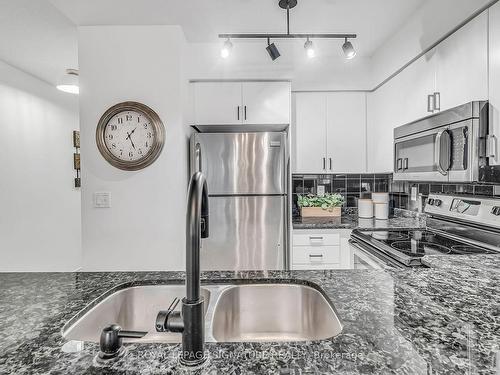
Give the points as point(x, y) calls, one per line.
point(202, 20)
point(36, 38)
point(40, 37)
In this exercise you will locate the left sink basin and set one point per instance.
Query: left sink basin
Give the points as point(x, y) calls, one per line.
point(134, 309)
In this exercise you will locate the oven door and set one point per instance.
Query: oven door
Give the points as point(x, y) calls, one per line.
point(441, 154)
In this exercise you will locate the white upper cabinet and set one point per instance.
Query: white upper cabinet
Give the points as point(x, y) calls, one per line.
point(309, 136)
point(330, 133)
point(266, 103)
point(462, 64)
point(233, 103)
point(456, 69)
point(401, 100)
point(494, 81)
point(217, 103)
point(413, 87)
point(346, 132)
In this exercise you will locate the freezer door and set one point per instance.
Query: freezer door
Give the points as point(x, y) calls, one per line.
point(246, 233)
point(241, 163)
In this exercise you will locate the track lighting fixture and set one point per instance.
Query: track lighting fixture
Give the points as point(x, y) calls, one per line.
point(272, 50)
point(226, 49)
point(349, 50)
point(308, 46)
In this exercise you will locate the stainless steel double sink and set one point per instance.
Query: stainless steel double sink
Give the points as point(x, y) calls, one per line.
point(233, 313)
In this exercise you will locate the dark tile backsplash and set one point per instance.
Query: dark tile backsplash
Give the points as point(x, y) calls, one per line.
point(350, 186)
point(353, 186)
point(401, 191)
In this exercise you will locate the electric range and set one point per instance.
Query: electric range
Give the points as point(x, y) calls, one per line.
point(456, 225)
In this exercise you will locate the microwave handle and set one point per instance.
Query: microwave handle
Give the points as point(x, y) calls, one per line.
point(443, 151)
point(399, 164)
point(197, 158)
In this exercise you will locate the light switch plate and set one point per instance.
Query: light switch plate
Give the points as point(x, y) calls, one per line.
point(102, 199)
point(321, 191)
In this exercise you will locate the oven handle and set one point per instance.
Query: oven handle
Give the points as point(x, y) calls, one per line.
point(443, 151)
point(378, 256)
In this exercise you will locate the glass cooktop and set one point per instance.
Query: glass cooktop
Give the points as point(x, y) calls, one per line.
point(417, 243)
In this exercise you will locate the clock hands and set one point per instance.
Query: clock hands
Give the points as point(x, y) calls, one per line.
point(130, 138)
point(128, 135)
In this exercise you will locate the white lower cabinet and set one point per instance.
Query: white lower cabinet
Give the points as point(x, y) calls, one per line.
point(321, 249)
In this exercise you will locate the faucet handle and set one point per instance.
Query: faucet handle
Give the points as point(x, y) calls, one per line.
point(170, 320)
point(204, 226)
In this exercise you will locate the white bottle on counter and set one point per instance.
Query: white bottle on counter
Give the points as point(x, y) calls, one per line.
point(381, 211)
point(365, 208)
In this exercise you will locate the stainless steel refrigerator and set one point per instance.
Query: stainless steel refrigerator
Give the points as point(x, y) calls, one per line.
point(247, 176)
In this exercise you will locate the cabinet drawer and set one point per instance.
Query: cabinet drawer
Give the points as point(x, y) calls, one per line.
point(316, 239)
point(316, 255)
point(322, 266)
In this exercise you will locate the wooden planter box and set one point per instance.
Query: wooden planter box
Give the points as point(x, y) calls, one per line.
point(319, 212)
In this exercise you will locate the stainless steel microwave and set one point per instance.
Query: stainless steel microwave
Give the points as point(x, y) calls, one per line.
point(448, 146)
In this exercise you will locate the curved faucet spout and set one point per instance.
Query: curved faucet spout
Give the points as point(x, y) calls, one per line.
point(196, 228)
point(191, 320)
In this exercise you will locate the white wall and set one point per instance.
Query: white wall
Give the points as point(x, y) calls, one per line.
point(40, 208)
point(144, 228)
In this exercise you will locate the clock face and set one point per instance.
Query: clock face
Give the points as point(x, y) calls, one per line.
point(130, 136)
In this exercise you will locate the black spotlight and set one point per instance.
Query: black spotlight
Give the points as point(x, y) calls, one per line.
point(272, 50)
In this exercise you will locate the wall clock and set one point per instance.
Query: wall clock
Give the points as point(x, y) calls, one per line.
point(130, 136)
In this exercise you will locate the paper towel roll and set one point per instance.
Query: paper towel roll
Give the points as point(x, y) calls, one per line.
point(365, 208)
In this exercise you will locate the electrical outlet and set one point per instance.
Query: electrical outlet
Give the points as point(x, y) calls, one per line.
point(413, 193)
point(102, 199)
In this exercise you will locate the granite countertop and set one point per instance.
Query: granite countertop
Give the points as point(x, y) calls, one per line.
point(351, 221)
point(441, 320)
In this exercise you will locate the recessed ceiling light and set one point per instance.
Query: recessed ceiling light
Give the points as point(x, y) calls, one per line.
point(69, 82)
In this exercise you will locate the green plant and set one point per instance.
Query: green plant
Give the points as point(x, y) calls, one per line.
point(325, 202)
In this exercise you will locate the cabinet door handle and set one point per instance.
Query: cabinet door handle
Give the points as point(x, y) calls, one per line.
point(324, 163)
point(238, 112)
point(437, 101)
point(245, 110)
point(330, 159)
point(430, 103)
point(405, 164)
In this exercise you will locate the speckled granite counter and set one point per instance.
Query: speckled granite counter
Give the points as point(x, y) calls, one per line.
point(426, 321)
point(351, 221)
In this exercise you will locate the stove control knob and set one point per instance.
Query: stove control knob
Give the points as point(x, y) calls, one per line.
point(437, 202)
point(495, 211)
point(430, 201)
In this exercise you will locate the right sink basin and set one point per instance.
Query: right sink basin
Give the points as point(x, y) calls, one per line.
point(273, 312)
